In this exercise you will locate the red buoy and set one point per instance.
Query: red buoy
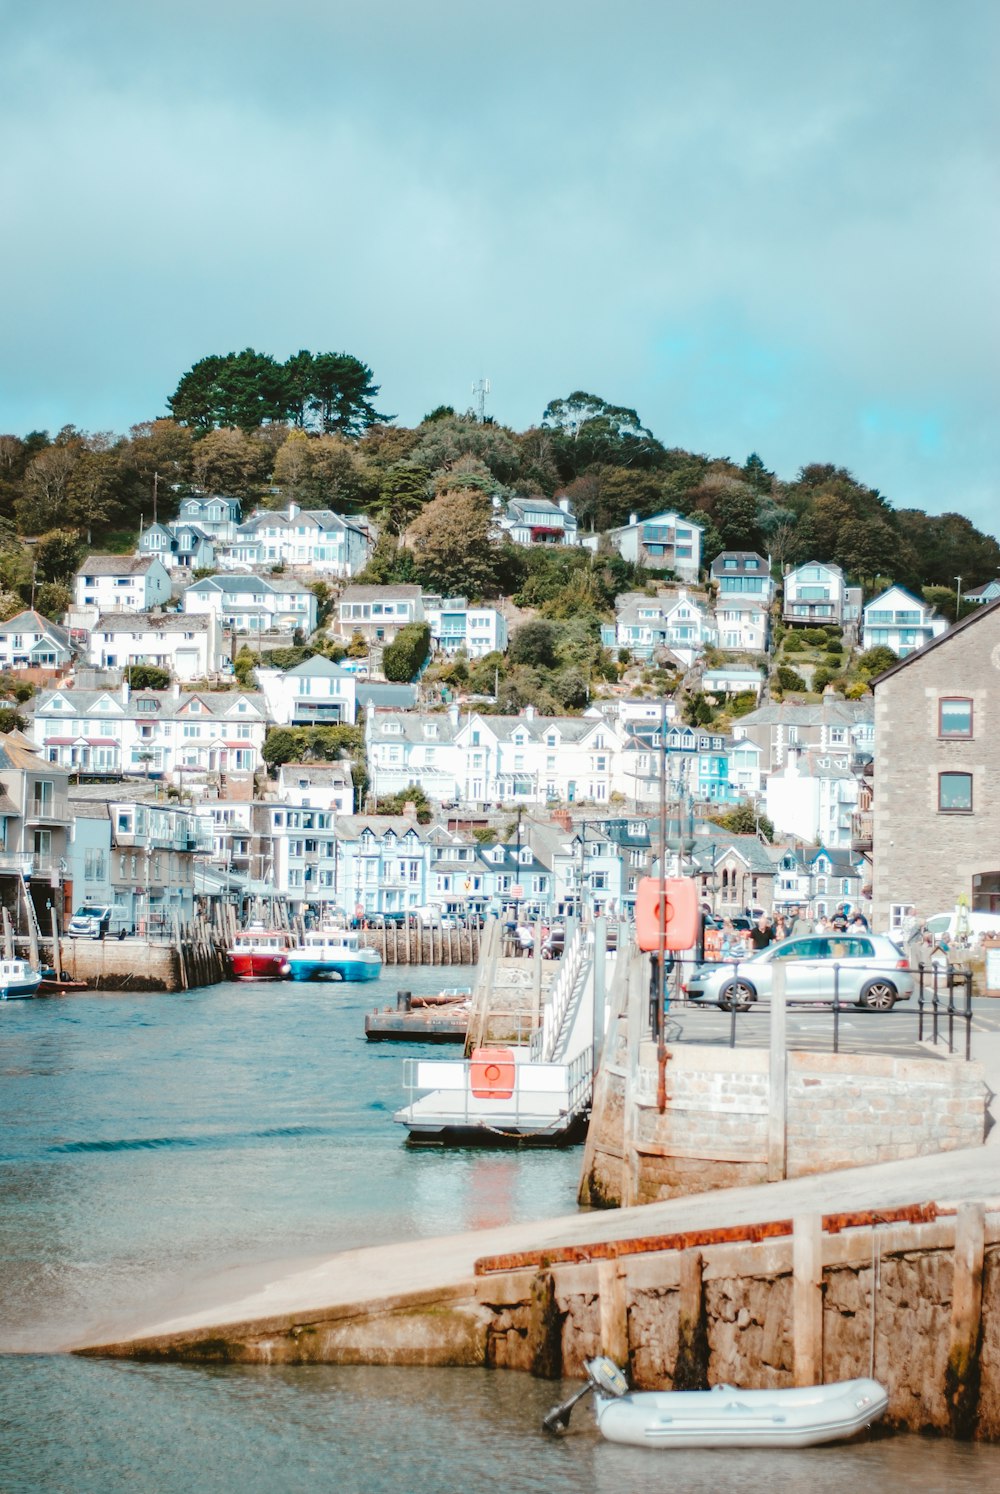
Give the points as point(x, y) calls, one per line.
point(678, 916)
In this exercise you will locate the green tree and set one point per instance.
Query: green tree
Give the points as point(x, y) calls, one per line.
point(228, 460)
point(744, 819)
point(53, 598)
point(57, 555)
point(403, 658)
point(874, 660)
point(403, 492)
point(396, 803)
point(534, 643)
point(147, 677)
point(458, 549)
point(588, 431)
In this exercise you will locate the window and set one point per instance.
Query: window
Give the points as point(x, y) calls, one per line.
point(954, 717)
point(955, 793)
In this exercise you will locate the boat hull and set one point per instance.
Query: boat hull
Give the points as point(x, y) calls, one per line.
point(302, 967)
point(251, 965)
point(725, 1416)
point(21, 990)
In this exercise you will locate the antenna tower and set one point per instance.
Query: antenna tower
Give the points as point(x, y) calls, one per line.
point(481, 389)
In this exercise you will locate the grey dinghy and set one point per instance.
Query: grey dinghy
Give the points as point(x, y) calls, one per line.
point(727, 1417)
point(724, 1416)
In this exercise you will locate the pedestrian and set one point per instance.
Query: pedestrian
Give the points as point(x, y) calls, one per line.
point(731, 946)
point(762, 934)
point(858, 923)
point(800, 925)
point(823, 925)
point(780, 928)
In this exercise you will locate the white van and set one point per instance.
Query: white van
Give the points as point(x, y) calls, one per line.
point(960, 922)
point(96, 921)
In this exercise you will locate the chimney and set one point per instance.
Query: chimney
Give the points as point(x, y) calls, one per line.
point(126, 691)
point(529, 713)
point(293, 511)
point(453, 714)
point(410, 811)
point(175, 690)
point(564, 505)
point(633, 518)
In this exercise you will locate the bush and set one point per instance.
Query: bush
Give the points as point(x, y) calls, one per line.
point(816, 636)
point(405, 656)
point(396, 803)
point(789, 679)
point(793, 644)
point(147, 677)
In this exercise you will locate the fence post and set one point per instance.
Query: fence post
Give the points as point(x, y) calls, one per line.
point(777, 1109)
point(807, 1300)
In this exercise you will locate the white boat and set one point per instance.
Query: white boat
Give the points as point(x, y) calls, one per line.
point(18, 981)
point(333, 954)
point(725, 1416)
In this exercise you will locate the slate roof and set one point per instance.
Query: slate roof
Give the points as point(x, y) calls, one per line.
point(152, 622)
point(116, 565)
point(34, 622)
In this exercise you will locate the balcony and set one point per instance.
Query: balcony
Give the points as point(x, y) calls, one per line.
point(861, 831)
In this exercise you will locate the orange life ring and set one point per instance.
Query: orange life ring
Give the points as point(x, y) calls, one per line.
point(492, 1073)
point(679, 919)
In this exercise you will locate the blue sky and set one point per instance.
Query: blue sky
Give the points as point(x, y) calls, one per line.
point(767, 225)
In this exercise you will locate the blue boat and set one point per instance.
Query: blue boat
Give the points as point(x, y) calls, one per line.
point(18, 982)
point(333, 954)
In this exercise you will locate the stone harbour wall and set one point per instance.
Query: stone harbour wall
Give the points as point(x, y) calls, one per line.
point(717, 1131)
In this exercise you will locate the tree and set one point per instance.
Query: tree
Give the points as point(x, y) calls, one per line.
point(874, 660)
point(94, 490)
point(147, 677)
point(45, 498)
point(331, 391)
point(444, 442)
point(459, 550)
point(590, 431)
point(229, 461)
point(743, 819)
point(396, 803)
point(57, 555)
point(405, 656)
point(403, 492)
point(534, 643)
point(53, 598)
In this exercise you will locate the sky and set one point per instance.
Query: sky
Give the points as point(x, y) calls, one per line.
point(765, 225)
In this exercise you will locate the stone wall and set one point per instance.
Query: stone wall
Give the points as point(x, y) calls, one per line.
point(843, 1110)
point(921, 855)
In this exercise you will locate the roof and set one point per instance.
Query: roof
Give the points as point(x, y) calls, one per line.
point(742, 558)
point(30, 619)
point(374, 693)
point(14, 755)
point(366, 593)
point(152, 622)
point(831, 710)
point(318, 666)
point(116, 565)
point(667, 517)
point(986, 610)
point(215, 703)
point(338, 772)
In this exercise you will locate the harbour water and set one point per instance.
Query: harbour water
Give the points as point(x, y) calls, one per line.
point(155, 1149)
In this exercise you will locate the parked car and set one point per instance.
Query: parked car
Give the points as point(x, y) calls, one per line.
point(867, 970)
point(95, 921)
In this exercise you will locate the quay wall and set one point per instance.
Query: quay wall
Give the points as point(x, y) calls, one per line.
point(718, 1128)
point(402, 945)
point(138, 964)
point(914, 1301)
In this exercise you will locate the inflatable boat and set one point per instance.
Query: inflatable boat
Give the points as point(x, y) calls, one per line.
point(725, 1416)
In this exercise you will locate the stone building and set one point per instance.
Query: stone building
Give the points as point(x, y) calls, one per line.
point(936, 804)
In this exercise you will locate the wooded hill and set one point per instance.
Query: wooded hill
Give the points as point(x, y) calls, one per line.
point(307, 431)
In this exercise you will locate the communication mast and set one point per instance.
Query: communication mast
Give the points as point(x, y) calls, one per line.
point(481, 389)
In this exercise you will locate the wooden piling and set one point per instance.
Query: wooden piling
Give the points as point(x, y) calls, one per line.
point(807, 1300)
point(8, 937)
point(962, 1374)
point(613, 1303)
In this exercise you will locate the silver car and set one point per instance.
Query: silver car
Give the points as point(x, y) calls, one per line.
point(864, 969)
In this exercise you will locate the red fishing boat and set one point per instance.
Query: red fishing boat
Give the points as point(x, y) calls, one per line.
point(259, 953)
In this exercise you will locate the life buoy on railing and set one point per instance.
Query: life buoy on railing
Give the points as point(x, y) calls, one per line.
point(492, 1073)
point(679, 917)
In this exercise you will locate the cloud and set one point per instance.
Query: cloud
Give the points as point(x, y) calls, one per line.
point(761, 225)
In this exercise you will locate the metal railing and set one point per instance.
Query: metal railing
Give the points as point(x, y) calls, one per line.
point(570, 966)
point(943, 1004)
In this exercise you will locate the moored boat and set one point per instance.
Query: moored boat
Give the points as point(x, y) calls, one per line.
point(725, 1416)
point(51, 983)
point(18, 982)
point(333, 954)
point(259, 953)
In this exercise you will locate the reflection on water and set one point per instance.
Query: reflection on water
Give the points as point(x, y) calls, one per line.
point(94, 1427)
point(148, 1141)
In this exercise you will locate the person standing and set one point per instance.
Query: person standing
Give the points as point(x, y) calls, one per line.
point(762, 934)
point(800, 925)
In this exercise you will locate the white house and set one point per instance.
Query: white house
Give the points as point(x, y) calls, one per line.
point(814, 594)
point(253, 605)
point(315, 539)
point(813, 796)
point(673, 620)
point(663, 542)
point(181, 547)
point(743, 623)
point(743, 575)
point(900, 622)
point(212, 513)
point(181, 737)
point(120, 583)
point(538, 521)
point(317, 786)
point(29, 641)
point(733, 679)
point(192, 646)
point(456, 626)
point(378, 612)
point(316, 692)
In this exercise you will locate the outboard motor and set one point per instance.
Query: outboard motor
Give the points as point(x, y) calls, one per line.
point(603, 1375)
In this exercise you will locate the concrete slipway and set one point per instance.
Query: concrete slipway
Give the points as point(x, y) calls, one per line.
point(420, 1276)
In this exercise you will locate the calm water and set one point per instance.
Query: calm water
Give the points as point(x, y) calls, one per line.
point(152, 1142)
